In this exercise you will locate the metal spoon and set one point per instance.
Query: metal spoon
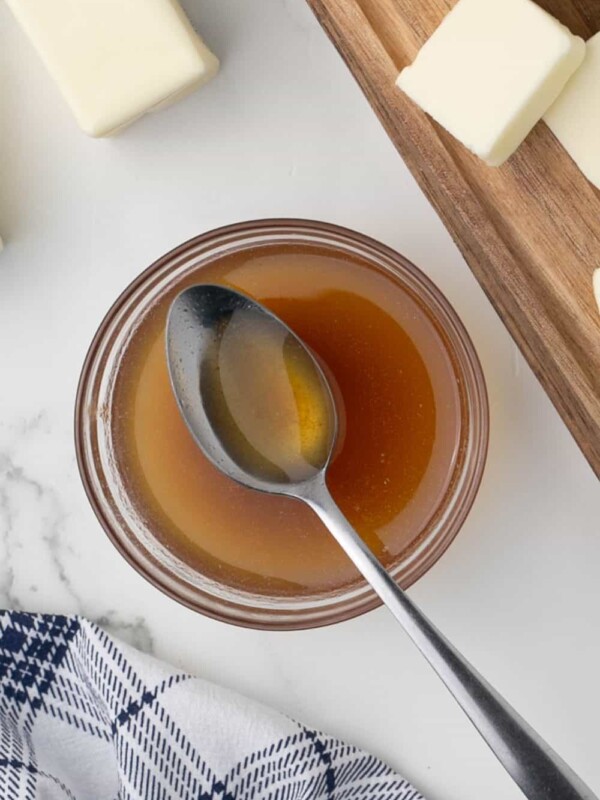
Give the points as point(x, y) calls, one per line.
point(228, 356)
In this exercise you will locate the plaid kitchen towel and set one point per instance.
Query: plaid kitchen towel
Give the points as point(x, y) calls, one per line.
point(87, 718)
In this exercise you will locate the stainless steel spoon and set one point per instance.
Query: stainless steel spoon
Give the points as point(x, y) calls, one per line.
point(230, 361)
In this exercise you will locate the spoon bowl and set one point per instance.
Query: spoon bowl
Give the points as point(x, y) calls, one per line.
point(267, 417)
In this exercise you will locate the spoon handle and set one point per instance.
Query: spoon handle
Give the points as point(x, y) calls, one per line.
point(536, 768)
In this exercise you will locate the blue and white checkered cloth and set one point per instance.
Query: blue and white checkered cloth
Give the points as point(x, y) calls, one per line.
point(85, 717)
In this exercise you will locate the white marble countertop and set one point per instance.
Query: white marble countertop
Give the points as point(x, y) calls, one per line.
point(283, 131)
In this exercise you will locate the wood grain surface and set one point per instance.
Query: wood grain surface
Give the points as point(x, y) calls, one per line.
point(530, 230)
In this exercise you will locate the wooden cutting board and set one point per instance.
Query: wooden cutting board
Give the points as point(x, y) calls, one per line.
point(530, 230)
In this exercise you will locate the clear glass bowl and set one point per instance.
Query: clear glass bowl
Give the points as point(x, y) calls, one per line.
point(105, 489)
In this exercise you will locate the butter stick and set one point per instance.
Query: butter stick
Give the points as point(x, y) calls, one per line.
point(575, 117)
point(114, 60)
point(491, 71)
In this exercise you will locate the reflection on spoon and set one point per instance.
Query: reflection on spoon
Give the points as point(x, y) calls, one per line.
point(264, 394)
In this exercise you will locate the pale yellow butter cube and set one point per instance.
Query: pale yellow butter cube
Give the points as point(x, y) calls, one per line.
point(114, 60)
point(491, 71)
point(575, 117)
point(596, 285)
